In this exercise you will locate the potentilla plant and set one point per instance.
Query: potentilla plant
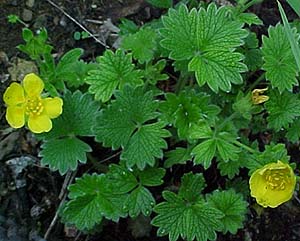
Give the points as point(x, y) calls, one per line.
point(121, 100)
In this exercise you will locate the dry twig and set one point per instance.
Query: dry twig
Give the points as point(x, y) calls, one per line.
point(79, 24)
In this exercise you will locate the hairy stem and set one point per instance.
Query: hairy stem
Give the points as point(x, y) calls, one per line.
point(247, 148)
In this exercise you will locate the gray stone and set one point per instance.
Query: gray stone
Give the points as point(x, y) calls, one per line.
point(30, 3)
point(27, 15)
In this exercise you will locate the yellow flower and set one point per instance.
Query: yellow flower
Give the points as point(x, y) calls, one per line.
point(273, 184)
point(25, 104)
point(258, 97)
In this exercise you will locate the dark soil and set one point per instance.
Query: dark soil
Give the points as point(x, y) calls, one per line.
point(30, 194)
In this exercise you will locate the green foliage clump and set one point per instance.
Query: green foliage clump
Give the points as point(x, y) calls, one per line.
point(194, 90)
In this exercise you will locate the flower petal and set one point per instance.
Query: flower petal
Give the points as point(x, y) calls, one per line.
point(53, 106)
point(15, 116)
point(39, 123)
point(14, 94)
point(257, 184)
point(33, 85)
point(275, 198)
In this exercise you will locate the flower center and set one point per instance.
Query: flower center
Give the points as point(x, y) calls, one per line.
point(34, 106)
point(277, 179)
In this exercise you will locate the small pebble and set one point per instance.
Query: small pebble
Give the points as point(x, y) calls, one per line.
point(30, 3)
point(27, 15)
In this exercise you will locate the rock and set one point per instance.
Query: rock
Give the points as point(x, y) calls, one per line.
point(30, 3)
point(21, 67)
point(27, 15)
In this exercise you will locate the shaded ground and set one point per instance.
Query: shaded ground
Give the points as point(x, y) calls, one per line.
point(29, 194)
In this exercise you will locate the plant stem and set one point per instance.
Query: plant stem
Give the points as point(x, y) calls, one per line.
point(252, 86)
point(249, 4)
point(180, 84)
point(247, 148)
point(228, 119)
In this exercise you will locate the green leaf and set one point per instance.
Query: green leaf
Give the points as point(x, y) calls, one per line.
point(79, 209)
point(63, 154)
point(142, 44)
point(205, 152)
point(145, 145)
point(283, 109)
point(151, 176)
point(187, 109)
point(295, 4)
point(139, 201)
point(249, 18)
point(231, 168)
point(220, 143)
point(123, 180)
point(280, 65)
point(197, 221)
point(272, 153)
point(35, 46)
point(78, 117)
point(208, 39)
point(71, 69)
point(201, 130)
point(253, 59)
point(293, 133)
point(232, 205)
point(293, 40)
point(127, 27)
point(227, 150)
point(191, 186)
point(178, 156)
point(115, 70)
point(92, 198)
point(218, 69)
point(161, 3)
point(153, 73)
point(122, 124)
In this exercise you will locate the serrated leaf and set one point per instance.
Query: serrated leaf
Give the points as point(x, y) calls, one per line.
point(232, 205)
point(64, 154)
point(187, 109)
point(283, 109)
point(88, 206)
point(205, 152)
point(231, 168)
point(151, 176)
point(142, 44)
point(140, 200)
point(201, 130)
point(123, 180)
point(218, 69)
point(191, 187)
point(249, 18)
point(178, 156)
point(79, 209)
point(145, 145)
point(194, 221)
point(227, 150)
point(71, 69)
point(122, 124)
point(253, 59)
point(153, 73)
point(78, 117)
point(272, 153)
point(280, 65)
point(293, 133)
point(115, 70)
point(207, 38)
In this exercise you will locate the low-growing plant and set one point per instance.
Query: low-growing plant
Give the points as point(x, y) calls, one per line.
point(180, 91)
